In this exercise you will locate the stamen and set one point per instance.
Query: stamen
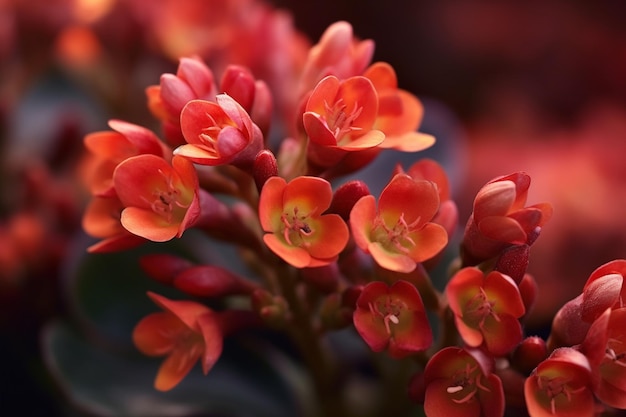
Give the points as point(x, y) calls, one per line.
point(295, 226)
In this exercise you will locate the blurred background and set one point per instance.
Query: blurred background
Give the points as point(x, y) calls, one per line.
point(538, 86)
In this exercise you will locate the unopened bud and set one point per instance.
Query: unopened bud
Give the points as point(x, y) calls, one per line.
point(528, 354)
point(346, 196)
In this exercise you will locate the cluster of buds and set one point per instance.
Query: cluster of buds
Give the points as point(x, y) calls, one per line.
point(329, 256)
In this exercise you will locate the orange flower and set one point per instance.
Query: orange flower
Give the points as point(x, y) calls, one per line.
point(298, 232)
point(102, 220)
point(112, 147)
point(160, 200)
point(399, 112)
point(401, 233)
point(186, 332)
point(341, 114)
point(218, 133)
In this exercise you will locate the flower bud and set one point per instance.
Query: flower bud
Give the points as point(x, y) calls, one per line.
point(264, 167)
point(346, 196)
point(163, 267)
point(212, 281)
point(528, 354)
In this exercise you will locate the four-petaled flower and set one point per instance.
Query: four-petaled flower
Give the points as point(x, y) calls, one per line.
point(560, 386)
point(392, 317)
point(459, 382)
point(486, 309)
point(219, 132)
point(161, 200)
point(339, 117)
point(298, 232)
point(186, 332)
point(401, 233)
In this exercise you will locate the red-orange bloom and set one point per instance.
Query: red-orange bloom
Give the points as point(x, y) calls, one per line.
point(186, 332)
point(461, 383)
point(219, 133)
point(560, 386)
point(112, 147)
point(399, 112)
point(340, 115)
point(160, 200)
point(486, 309)
point(500, 218)
point(401, 233)
point(298, 232)
point(392, 317)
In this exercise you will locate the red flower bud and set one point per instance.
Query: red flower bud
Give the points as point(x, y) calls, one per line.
point(528, 354)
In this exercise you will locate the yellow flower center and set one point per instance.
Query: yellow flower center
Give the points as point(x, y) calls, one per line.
point(296, 228)
point(396, 238)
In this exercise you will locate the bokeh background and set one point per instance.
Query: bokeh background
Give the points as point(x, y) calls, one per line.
point(538, 86)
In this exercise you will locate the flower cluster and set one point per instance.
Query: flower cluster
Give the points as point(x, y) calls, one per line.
point(327, 254)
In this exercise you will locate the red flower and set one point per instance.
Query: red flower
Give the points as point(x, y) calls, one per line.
point(219, 133)
point(500, 218)
point(298, 232)
point(160, 200)
point(460, 383)
point(486, 309)
point(186, 332)
point(399, 112)
point(392, 318)
point(401, 233)
point(560, 386)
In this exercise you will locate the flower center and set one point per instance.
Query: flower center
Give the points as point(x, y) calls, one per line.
point(615, 352)
point(557, 389)
point(339, 121)
point(466, 384)
point(389, 310)
point(478, 309)
point(396, 238)
point(209, 136)
point(167, 201)
point(296, 229)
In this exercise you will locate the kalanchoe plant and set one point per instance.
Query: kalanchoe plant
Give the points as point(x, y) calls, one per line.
point(300, 253)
